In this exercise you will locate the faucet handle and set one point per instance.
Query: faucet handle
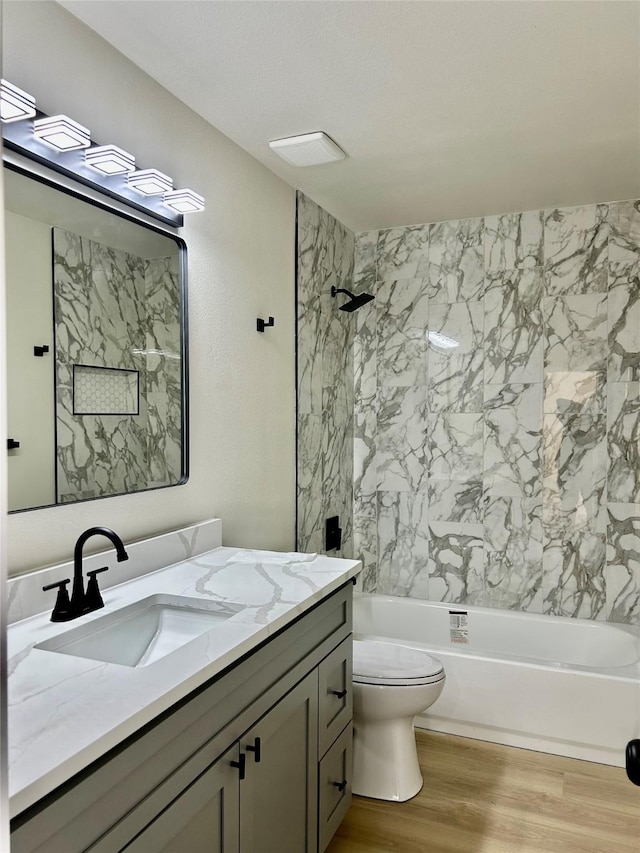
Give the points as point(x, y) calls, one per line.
point(62, 611)
point(93, 599)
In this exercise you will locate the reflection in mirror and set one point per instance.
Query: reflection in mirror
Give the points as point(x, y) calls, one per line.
point(102, 411)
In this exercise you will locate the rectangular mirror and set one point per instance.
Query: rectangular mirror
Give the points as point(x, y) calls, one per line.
point(96, 359)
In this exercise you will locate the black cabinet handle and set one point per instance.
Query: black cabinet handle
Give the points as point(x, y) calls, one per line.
point(339, 693)
point(340, 785)
point(256, 749)
point(12, 444)
point(241, 765)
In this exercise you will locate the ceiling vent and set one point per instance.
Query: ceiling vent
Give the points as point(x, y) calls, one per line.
point(309, 149)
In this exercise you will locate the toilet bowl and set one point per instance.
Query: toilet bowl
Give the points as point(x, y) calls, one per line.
point(391, 684)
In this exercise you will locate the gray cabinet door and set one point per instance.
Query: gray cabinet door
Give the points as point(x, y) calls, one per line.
point(279, 796)
point(335, 694)
point(203, 819)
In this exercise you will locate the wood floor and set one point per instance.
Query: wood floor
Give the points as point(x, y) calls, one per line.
point(484, 798)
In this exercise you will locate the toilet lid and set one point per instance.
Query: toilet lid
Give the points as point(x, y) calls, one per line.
point(375, 662)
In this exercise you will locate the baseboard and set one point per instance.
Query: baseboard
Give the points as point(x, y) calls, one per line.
point(522, 740)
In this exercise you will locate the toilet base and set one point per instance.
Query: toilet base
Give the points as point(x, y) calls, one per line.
point(385, 760)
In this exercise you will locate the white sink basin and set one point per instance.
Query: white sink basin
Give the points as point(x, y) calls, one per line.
point(144, 632)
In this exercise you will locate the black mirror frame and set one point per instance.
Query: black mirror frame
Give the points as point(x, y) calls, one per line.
point(22, 166)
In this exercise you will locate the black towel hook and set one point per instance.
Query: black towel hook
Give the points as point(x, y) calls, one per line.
point(262, 324)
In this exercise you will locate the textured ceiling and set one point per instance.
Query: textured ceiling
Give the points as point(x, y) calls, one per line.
point(446, 109)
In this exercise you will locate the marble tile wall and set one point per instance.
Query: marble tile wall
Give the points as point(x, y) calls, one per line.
point(163, 364)
point(497, 411)
point(114, 309)
point(325, 336)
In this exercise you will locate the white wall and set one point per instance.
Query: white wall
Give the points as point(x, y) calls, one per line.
point(241, 265)
point(30, 407)
point(4, 790)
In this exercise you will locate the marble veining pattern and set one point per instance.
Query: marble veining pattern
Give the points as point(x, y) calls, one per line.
point(513, 440)
point(573, 582)
point(402, 322)
point(624, 242)
point(456, 357)
point(575, 474)
point(455, 459)
point(623, 563)
point(327, 371)
point(114, 309)
point(576, 249)
point(403, 252)
point(623, 433)
point(365, 361)
point(366, 261)
point(401, 446)
point(495, 404)
point(456, 562)
point(164, 371)
point(576, 332)
point(513, 553)
point(513, 329)
point(403, 544)
point(569, 392)
point(456, 261)
point(624, 322)
point(513, 241)
point(365, 547)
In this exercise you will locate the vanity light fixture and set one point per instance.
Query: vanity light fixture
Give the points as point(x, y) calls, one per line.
point(61, 133)
point(15, 104)
point(62, 144)
point(307, 149)
point(150, 182)
point(110, 160)
point(184, 201)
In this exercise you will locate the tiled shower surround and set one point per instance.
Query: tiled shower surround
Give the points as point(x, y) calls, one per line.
point(116, 310)
point(497, 411)
point(325, 378)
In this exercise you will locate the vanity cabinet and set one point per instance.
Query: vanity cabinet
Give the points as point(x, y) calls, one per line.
point(202, 819)
point(257, 760)
point(278, 796)
point(259, 796)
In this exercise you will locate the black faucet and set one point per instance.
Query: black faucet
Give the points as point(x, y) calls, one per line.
point(83, 602)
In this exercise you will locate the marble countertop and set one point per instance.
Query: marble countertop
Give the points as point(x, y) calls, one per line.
point(64, 711)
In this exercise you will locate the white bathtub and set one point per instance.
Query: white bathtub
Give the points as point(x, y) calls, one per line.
point(559, 685)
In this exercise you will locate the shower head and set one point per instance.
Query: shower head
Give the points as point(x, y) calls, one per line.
point(357, 301)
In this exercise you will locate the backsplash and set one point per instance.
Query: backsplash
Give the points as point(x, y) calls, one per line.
point(118, 311)
point(26, 598)
point(497, 411)
point(325, 336)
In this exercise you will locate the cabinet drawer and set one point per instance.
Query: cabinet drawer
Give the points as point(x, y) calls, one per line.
point(335, 694)
point(334, 786)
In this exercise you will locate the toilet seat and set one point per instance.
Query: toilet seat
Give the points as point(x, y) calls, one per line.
point(393, 665)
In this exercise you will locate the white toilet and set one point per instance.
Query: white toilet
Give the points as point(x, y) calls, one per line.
point(391, 684)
